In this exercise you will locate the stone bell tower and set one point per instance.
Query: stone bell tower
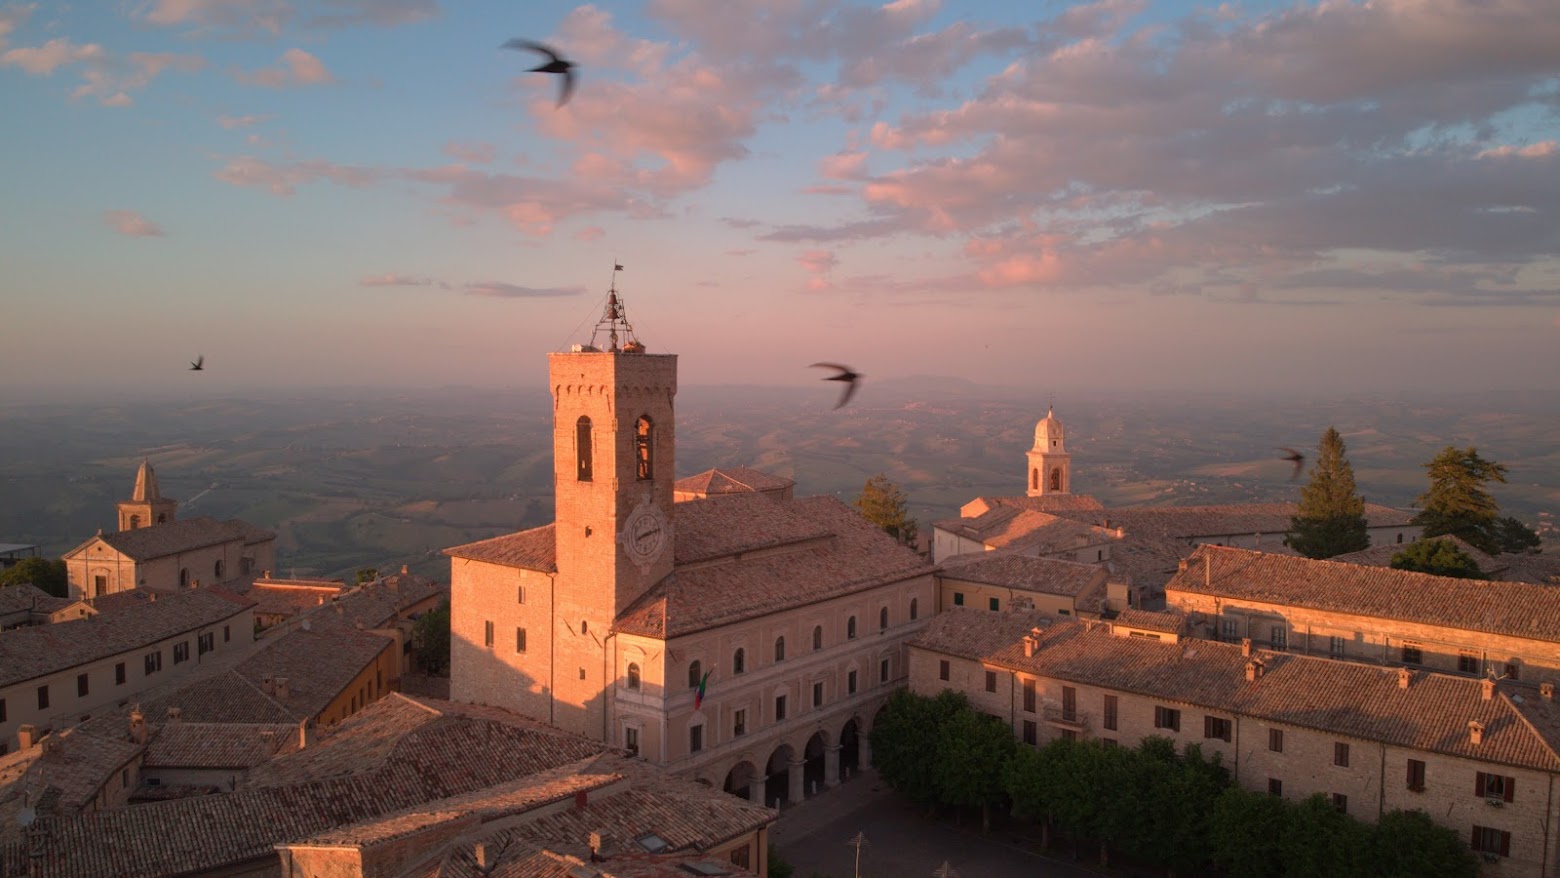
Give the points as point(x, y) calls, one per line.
point(146, 506)
point(1050, 467)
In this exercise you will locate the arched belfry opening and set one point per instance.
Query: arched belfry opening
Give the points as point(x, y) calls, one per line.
point(644, 449)
point(582, 448)
point(1056, 479)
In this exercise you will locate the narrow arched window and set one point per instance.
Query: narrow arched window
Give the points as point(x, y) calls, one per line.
point(135, 522)
point(162, 518)
point(644, 443)
point(1056, 479)
point(850, 628)
point(216, 569)
point(780, 648)
point(633, 675)
point(914, 607)
point(184, 577)
point(694, 674)
point(739, 661)
point(817, 637)
point(1034, 479)
point(582, 446)
point(883, 619)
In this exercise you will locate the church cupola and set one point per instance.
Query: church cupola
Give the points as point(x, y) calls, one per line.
point(146, 506)
point(1050, 468)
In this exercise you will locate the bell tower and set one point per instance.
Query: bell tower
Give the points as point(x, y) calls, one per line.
point(614, 463)
point(1050, 467)
point(146, 506)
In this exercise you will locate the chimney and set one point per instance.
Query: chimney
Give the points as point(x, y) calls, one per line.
point(151, 596)
point(137, 726)
point(175, 715)
point(479, 853)
point(1208, 571)
point(1030, 645)
point(1253, 670)
point(1487, 688)
point(339, 611)
point(265, 574)
point(26, 736)
point(581, 799)
point(1547, 691)
point(268, 740)
point(50, 745)
point(1403, 677)
point(403, 569)
point(1475, 732)
point(305, 735)
point(321, 601)
point(1245, 646)
point(595, 844)
point(1182, 565)
point(280, 688)
point(268, 684)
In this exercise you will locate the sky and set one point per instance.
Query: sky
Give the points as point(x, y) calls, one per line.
point(1125, 194)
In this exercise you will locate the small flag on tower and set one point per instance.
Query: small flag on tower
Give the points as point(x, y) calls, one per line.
point(704, 682)
point(617, 266)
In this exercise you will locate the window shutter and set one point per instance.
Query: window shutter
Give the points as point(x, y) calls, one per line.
point(1475, 842)
point(1510, 787)
point(1505, 844)
point(1479, 786)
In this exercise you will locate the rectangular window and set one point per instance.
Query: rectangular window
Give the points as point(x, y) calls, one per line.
point(1512, 671)
point(942, 670)
point(81, 685)
point(43, 697)
point(2, 710)
point(991, 681)
point(1229, 629)
point(1275, 787)
point(1494, 787)
point(1029, 696)
point(153, 662)
point(1413, 654)
point(818, 694)
point(1280, 637)
point(181, 652)
point(958, 599)
point(1487, 840)
point(739, 723)
point(695, 738)
point(1111, 706)
point(994, 604)
point(1341, 754)
point(487, 634)
point(883, 671)
point(227, 634)
point(850, 683)
point(1167, 718)
point(1335, 646)
point(1416, 775)
point(1341, 802)
point(1070, 704)
point(519, 640)
point(631, 740)
point(1217, 727)
point(519, 594)
point(779, 708)
point(1468, 662)
point(1031, 732)
point(1276, 740)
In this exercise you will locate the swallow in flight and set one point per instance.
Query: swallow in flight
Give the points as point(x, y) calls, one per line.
point(554, 64)
point(848, 375)
point(200, 363)
point(1297, 458)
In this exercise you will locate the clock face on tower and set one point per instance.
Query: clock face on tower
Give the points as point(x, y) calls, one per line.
point(645, 534)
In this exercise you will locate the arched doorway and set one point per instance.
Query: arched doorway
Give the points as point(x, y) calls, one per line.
point(850, 749)
point(740, 779)
point(777, 786)
point(813, 777)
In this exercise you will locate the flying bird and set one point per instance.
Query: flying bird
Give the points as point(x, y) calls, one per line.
point(848, 375)
point(200, 363)
point(555, 64)
point(1297, 458)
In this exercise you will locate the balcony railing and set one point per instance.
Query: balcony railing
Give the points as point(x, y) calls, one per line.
point(1072, 719)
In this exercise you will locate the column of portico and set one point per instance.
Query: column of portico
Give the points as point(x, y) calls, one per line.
point(831, 766)
point(755, 792)
point(863, 752)
point(795, 785)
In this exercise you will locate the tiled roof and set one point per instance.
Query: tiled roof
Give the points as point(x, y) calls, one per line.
point(274, 597)
point(1382, 555)
point(1047, 575)
point(857, 556)
point(27, 653)
point(159, 540)
point(218, 745)
point(375, 604)
point(1230, 519)
point(719, 527)
point(1012, 527)
point(1517, 609)
point(732, 480)
point(317, 664)
point(1147, 561)
point(26, 597)
point(1149, 620)
point(1344, 698)
point(227, 698)
point(1529, 568)
point(1056, 504)
point(63, 780)
point(533, 549)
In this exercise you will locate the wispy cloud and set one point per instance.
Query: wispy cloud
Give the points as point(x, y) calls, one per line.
point(283, 178)
point(392, 279)
point(477, 153)
point(251, 18)
point(45, 59)
point(232, 122)
point(500, 290)
point(295, 68)
point(128, 222)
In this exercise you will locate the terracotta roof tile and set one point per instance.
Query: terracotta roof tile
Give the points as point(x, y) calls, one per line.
point(718, 527)
point(26, 653)
point(1229, 519)
point(159, 540)
point(25, 597)
point(1544, 569)
point(1359, 701)
point(1150, 620)
point(61, 775)
point(1518, 609)
point(1046, 575)
point(534, 549)
point(1382, 555)
point(218, 745)
point(1052, 503)
point(732, 480)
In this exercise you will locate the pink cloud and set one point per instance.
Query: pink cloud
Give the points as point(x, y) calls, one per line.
point(392, 279)
point(283, 178)
point(232, 122)
point(246, 18)
point(844, 166)
point(45, 59)
point(110, 79)
point(590, 233)
point(1542, 149)
point(295, 68)
point(818, 261)
point(499, 290)
point(476, 153)
point(128, 222)
point(11, 18)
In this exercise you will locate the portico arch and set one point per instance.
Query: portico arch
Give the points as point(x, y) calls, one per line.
point(777, 785)
point(739, 780)
point(814, 753)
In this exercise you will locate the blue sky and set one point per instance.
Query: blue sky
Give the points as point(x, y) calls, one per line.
point(1122, 194)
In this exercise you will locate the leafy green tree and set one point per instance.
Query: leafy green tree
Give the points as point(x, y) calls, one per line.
point(1330, 519)
point(1457, 502)
point(882, 503)
point(906, 739)
point(46, 574)
point(973, 750)
point(431, 640)
point(1244, 831)
point(1322, 842)
point(1408, 844)
point(1515, 537)
point(779, 867)
point(1440, 557)
point(367, 574)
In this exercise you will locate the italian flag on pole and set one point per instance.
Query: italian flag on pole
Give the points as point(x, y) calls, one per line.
point(704, 682)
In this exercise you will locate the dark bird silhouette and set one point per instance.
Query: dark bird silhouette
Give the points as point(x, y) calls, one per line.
point(1299, 461)
point(555, 64)
point(200, 363)
point(847, 375)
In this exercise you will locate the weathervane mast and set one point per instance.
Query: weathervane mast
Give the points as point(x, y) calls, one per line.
point(614, 321)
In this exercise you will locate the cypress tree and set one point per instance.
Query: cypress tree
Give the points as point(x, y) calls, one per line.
point(1457, 503)
point(1331, 517)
